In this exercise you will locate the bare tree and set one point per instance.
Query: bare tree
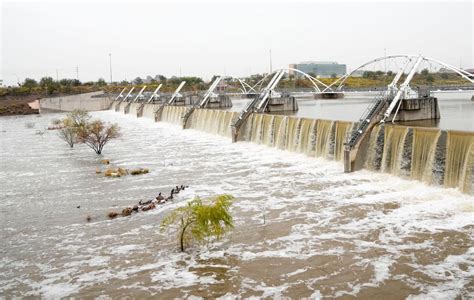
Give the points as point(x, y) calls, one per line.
point(68, 134)
point(96, 134)
point(78, 117)
point(70, 125)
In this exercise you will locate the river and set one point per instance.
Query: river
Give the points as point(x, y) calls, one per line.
point(457, 109)
point(303, 228)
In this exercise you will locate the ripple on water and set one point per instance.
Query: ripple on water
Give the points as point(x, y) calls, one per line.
point(326, 233)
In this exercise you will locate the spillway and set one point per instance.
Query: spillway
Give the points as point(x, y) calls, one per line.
point(425, 154)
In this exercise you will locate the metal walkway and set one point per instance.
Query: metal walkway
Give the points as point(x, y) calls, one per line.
point(372, 115)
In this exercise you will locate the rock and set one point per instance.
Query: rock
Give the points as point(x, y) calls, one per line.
point(105, 161)
point(112, 215)
point(97, 170)
point(148, 207)
point(139, 171)
point(127, 211)
point(122, 171)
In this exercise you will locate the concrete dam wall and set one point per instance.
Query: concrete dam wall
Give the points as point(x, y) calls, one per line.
point(430, 155)
point(88, 101)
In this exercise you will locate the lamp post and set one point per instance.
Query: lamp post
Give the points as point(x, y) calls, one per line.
point(110, 65)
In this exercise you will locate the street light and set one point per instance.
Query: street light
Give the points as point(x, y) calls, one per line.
point(110, 64)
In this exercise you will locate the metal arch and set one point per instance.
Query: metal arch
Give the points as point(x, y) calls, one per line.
point(310, 78)
point(343, 78)
point(462, 73)
point(313, 80)
point(244, 85)
point(260, 82)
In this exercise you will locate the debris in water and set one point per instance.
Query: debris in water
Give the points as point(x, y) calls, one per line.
point(112, 215)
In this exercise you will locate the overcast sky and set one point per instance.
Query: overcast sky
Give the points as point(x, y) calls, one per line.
point(233, 38)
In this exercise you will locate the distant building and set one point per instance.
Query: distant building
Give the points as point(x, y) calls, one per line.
point(319, 68)
point(358, 73)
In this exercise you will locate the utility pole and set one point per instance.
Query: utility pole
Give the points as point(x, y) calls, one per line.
point(57, 77)
point(77, 73)
point(110, 65)
point(270, 61)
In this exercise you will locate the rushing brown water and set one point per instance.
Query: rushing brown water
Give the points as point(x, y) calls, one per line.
point(303, 228)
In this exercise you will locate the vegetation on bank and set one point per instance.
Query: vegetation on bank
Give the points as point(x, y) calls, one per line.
point(47, 86)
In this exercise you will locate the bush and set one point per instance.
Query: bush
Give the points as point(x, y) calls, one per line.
point(201, 220)
point(97, 134)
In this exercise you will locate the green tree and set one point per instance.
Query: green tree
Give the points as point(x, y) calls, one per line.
point(424, 72)
point(430, 78)
point(201, 220)
point(101, 82)
point(138, 80)
point(444, 75)
point(48, 84)
point(65, 82)
point(160, 78)
point(29, 83)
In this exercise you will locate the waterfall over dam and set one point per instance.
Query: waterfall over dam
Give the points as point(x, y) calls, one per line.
point(430, 155)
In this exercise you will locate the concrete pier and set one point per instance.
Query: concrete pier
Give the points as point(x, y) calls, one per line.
point(282, 104)
point(426, 108)
point(221, 101)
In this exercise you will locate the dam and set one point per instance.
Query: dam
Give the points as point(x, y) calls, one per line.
point(433, 156)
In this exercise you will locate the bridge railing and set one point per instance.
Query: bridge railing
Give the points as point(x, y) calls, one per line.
point(367, 117)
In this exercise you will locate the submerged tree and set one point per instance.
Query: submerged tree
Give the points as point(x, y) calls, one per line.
point(70, 125)
point(201, 220)
point(78, 117)
point(96, 134)
point(68, 132)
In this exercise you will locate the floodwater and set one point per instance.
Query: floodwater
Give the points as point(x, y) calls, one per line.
point(303, 228)
point(456, 108)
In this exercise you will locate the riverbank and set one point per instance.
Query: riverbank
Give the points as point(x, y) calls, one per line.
point(19, 105)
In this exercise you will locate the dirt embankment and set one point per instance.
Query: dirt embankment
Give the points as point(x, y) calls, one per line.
point(19, 105)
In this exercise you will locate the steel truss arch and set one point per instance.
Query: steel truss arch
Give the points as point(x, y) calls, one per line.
point(342, 79)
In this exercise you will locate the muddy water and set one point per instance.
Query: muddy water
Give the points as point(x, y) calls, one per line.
point(302, 227)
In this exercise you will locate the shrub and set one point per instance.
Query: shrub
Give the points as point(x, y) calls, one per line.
point(201, 220)
point(97, 134)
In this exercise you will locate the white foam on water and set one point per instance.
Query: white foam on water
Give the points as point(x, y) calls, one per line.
point(365, 210)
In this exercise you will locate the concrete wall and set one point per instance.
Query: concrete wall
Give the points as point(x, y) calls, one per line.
point(84, 101)
point(418, 109)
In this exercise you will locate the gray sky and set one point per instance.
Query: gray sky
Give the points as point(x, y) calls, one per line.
point(206, 38)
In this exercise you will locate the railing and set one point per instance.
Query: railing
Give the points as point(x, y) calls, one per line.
point(246, 111)
point(354, 136)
